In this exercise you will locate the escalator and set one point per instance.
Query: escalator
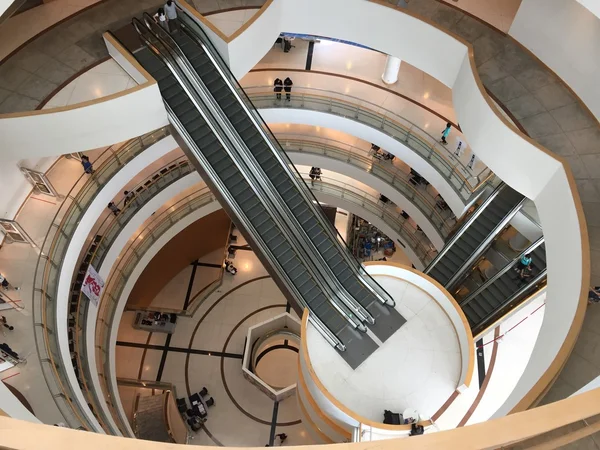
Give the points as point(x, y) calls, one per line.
point(277, 215)
point(271, 160)
point(474, 237)
point(503, 291)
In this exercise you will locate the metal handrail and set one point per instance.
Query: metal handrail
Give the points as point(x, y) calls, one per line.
point(501, 272)
point(399, 176)
point(248, 165)
point(484, 245)
point(539, 278)
point(381, 117)
point(200, 37)
point(110, 223)
point(197, 89)
point(464, 227)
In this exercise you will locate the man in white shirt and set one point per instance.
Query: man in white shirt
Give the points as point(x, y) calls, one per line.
point(171, 11)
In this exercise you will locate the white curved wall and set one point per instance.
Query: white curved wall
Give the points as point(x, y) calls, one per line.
point(370, 134)
point(310, 159)
point(84, 227)
point(90, 125)
point(565, 35)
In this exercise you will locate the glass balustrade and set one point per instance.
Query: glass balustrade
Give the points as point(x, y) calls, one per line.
point(463, 180)
point(52, 252)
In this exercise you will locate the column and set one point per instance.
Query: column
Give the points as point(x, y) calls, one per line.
point(390, 73)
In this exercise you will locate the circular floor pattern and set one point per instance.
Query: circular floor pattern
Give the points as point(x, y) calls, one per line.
point(278, 366)
point(231, 397)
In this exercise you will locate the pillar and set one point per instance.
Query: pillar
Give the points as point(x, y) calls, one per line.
point(392, 67)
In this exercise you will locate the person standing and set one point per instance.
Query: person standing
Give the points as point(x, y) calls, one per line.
point(282, 437)
point(287, 87)
point(525, 261)
point(171, 10)
point(445, 133)
point(161, 18)
point(114, 208)
point(472, 161)
point(128, 197)
point(88, 167)
point(277, 88)
point(5, 323)
point(6, 285)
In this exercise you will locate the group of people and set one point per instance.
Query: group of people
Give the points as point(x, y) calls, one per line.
point(376, 152)
point(166, 17)
point(128, 196)
point(285, 85)
point(314, 174)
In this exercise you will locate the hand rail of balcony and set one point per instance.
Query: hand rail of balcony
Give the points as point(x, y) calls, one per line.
point(109, 229)
point(49, 264)
point(463, 180)
point(386, 171)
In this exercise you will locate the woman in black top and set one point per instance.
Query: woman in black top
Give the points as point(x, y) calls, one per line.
point(287, 87)
point(277, 87)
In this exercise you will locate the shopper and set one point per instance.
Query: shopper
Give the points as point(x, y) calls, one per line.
point(6, 285)
point(525, 261)
point(282, 437)
point(88, 167)
point(161, 18)
point(277, 87)
point(114, 208)
point(594, 295)
point(472, 161)
point(445, 133)
point(315, 174)
point(525, 273)
point(287, 87)
point(171, 10)
point(5, 323)
point(128, 197)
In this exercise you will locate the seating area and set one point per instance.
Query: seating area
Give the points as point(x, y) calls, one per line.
point(197, 414)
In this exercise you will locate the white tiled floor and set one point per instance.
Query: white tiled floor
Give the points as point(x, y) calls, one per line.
point(219, 318)
point(418, 367)
point(105, 79)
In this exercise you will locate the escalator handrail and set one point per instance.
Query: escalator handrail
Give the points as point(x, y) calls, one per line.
point(539, 278)
point(481, 248)
point(280, 155)
point(505, 269)
point(169, 61)
point(349, 306)
point(464, 227)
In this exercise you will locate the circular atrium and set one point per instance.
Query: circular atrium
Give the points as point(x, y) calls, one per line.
point(263, 223)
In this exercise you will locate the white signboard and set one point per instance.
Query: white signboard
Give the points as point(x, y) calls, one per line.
point(92, 285)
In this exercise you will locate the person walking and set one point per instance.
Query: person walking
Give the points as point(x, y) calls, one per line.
point(171, 10)
point(277, 88)
point(161, 18)
point(114, 208)
point(282, 437)
point(5, 323)
point(445, 133)
point(6, 285)
point(128, 197)
point(287, 87)
point(88, 167)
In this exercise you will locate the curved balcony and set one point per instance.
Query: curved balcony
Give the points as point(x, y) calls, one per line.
point(105, 235)
point(463, 182)
point(47, 274)
point(386, 172)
